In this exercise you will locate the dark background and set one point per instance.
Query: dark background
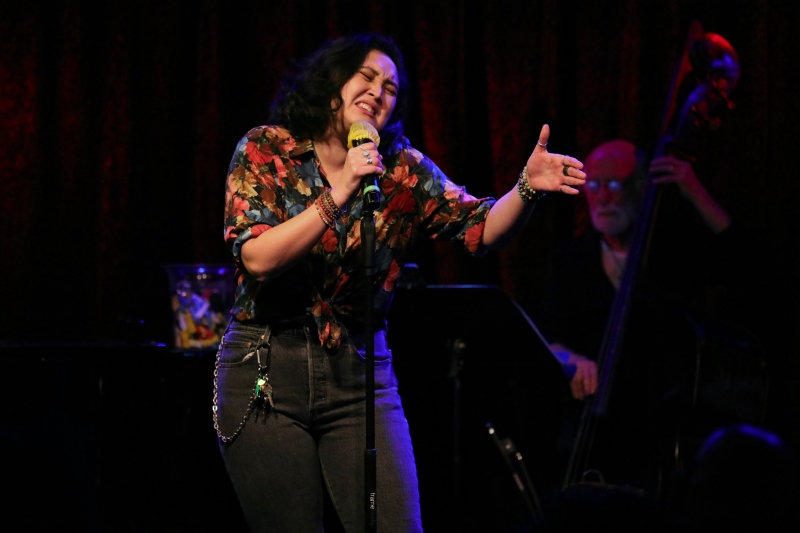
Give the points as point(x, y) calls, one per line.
point(118, 122)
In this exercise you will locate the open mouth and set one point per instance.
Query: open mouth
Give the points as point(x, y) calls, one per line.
point(367, 108)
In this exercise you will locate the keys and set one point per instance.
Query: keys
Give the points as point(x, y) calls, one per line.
point(267, 389)
point(264, 390)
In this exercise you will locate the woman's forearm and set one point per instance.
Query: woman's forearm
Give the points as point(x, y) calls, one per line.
point(505, 220)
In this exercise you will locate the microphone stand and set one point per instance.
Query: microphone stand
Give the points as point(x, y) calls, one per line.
point(371, 201)
point(508, 449)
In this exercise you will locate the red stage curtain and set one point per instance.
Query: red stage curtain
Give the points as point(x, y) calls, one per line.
point(119, 120)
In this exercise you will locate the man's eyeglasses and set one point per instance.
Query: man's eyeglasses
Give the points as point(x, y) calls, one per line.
point(613, 185)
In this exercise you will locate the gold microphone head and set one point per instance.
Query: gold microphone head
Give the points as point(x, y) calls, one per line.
point(362, 130)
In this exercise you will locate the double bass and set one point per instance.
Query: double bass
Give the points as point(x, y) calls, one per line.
point(613, 449)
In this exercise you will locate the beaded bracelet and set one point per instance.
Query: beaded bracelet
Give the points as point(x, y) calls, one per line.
point(336, 211)
point(327, 219)
point(328, 211)
point(526, 192)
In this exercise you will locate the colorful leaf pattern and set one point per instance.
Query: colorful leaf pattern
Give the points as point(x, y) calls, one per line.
point(273, 177)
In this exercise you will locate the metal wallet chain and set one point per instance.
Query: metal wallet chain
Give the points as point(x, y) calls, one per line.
point(262, 380)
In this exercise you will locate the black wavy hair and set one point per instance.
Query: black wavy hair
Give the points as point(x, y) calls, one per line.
point(303, 102)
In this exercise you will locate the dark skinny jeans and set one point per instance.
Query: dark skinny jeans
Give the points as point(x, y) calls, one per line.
point(313, 439)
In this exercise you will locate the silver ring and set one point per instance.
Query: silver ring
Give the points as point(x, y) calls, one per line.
point(561, 189)
point(540, 144)
point(365, 153)
point(369, 160)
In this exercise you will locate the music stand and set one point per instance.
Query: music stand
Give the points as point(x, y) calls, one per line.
point(473, 350)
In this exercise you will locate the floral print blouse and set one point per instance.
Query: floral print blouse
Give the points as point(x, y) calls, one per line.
point(273, 177)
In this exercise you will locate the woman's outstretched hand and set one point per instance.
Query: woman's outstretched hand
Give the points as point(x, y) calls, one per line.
point(553, 172)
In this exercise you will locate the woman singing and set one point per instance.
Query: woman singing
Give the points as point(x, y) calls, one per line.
point(289, 383)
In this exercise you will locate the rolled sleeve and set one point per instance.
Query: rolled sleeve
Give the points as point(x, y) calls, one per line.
point(450, 213)
point(252, 194)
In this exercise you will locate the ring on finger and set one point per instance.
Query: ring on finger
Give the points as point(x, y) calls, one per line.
point(565, 171)
point(365, 153)
point(369, 160)
point(561, 188)
point(543, 145)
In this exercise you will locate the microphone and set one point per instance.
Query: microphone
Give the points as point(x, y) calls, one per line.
point(363, 132)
